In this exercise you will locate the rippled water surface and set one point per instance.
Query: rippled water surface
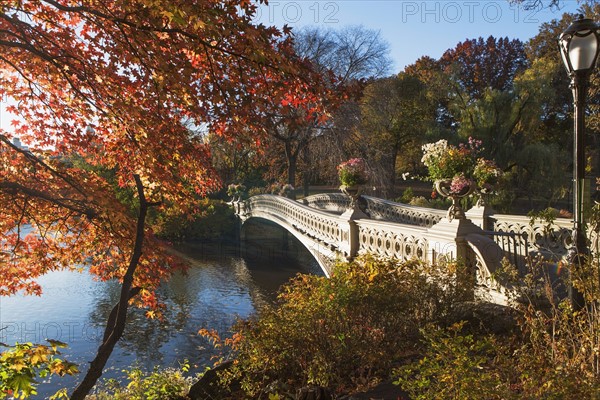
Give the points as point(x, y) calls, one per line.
point(223, 283)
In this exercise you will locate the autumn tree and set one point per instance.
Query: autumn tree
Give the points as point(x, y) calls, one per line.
point(341, 58)
point(114, 84)
point(477, 64)
point(395, 115)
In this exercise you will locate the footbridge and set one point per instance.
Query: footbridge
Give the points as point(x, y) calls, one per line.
point(332, 228)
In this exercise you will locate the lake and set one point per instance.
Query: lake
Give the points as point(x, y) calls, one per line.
point(225, 282)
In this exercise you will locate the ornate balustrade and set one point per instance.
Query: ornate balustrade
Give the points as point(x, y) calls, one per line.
point(513, 233)
point(319, 225)
point(329, 235)
point(326, 235)
point(392, 240)
point(378, 209)
point(329, 232)
point(551, 241)
point(331, 202)
point(386, 210)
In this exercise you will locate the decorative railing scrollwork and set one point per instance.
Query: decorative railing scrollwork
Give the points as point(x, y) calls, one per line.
point(333, 231)
point(551, 241)
point(392, 240)
point(487, 260)
point(386, 210)
point(318, 225)
point(331, 202)
point(378, 209)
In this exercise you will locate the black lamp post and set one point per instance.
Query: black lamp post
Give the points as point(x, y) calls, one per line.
point(579, 48)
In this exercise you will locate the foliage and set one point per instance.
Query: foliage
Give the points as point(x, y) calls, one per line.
point(515, 99)
point(554, 355)
point(132, 87)
point(236, 190)
point(475, 65)
point(343, 332)
point(438, 203)
point(445, 161)
point(160, 384)
point(352, 172)
point(455, 366)
point(487, 174)
point(23, 362)
point(87, 102)
point(546, 216)
point(211, 220)
point(340, 59)
point(407, 195)
point(395, 112)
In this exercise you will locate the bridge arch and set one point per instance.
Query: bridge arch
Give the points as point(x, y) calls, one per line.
point(324, 261)
point(322, 233)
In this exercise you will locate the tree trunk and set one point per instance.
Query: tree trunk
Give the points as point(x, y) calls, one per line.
point(292, 171)
point(115, 325)
point(292, 158)
point(392, 171)
point(307, 176)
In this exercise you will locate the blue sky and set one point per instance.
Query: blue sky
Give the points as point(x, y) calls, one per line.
point(414, 28)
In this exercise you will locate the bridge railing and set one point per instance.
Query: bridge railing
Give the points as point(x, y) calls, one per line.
point(392, 240)
point(333, 233)
point(513, 233)
point(386, 210)
point(552, 241)
point(330, 202)
point(314, 223)
point(378, 209)
point(403, 231)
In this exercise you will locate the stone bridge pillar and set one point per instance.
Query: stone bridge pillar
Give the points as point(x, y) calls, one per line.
point(479, 216)
point(447, 239)
point(349, 240)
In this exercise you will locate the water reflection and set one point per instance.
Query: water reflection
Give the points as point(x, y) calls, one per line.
point(223, 283)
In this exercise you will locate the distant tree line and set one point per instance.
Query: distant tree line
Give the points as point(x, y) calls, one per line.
point(511, 95)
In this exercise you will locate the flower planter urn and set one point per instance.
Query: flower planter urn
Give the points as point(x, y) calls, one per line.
point(443, 187)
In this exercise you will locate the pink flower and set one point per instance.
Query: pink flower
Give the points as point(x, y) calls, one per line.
point(460, 184)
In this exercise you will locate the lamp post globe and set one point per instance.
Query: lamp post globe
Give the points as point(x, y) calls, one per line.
point(579, 47)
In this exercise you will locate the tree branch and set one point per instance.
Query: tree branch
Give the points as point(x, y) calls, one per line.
point(115, 325)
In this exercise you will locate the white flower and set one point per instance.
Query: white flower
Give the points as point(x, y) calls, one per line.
point(433, 151)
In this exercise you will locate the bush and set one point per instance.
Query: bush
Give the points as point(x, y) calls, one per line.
point(407, 195)
point(343, 333)
point(553, 356)
point(213, 220)
point(160, 384)
point(22, 363)
point(438, 203)
point(455, 366)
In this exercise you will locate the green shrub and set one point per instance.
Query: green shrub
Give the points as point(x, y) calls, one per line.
point(160, 384)
point(439, 203)
point(255, 191)
point(213, 220)
point(455, 366)
point(22, 363)
point(555, 355)
point(407, 195)
point(343, 333)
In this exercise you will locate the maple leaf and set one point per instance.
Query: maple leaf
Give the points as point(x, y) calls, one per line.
point(102, 93)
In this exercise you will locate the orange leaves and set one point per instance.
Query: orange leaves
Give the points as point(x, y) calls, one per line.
point(123, 88)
